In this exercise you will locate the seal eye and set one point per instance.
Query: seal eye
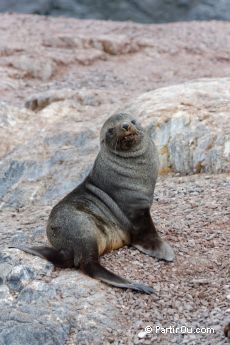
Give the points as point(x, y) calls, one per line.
point(110, 131)
point(133, 122)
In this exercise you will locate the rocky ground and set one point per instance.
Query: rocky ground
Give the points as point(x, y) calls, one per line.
point(59, 80)
point(192, 291)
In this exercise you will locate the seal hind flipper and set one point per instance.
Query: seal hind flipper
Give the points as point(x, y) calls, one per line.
point(65, 258)
point(61, 258)
point(95, 270)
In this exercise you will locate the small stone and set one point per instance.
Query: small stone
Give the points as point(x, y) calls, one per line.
point(142, 334)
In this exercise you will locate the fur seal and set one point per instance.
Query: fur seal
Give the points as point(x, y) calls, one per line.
point(227, 330)
point(110, 208)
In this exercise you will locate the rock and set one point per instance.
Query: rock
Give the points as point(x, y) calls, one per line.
point(42, 100)
point(155, 11)
point(84, 97)
point(12, 119)
point(32, 68)
point(19, 277)
point(38, 314)
point(142, 334)
point(41, 54)
point(117, 44)
point(29, 173)
point(189, 123)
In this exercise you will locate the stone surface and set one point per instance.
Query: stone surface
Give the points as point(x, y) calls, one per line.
point(42, 306)
point(190, 124)
point(49, 126)
point(143, 58)
point(146, 11)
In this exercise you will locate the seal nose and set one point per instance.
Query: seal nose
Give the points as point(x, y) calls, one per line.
point(125, 126)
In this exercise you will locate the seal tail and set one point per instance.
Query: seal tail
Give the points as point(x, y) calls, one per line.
point(60, 258)
point(95, 270)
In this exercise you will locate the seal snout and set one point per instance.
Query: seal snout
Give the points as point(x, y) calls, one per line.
point(125, 126)
point(129, 131)
point(128, 128)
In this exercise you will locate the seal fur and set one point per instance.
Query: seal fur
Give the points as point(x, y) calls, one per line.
point(110, 208)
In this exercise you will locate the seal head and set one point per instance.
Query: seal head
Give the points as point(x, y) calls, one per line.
point(122, 132)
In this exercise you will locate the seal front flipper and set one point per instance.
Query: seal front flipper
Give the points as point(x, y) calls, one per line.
point(227, 330)
point(155, 246)
point(62, 258)
point(146, 238)
point(162, 252)
point(95, 270)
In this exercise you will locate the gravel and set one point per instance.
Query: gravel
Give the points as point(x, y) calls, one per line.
point(193, 291)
